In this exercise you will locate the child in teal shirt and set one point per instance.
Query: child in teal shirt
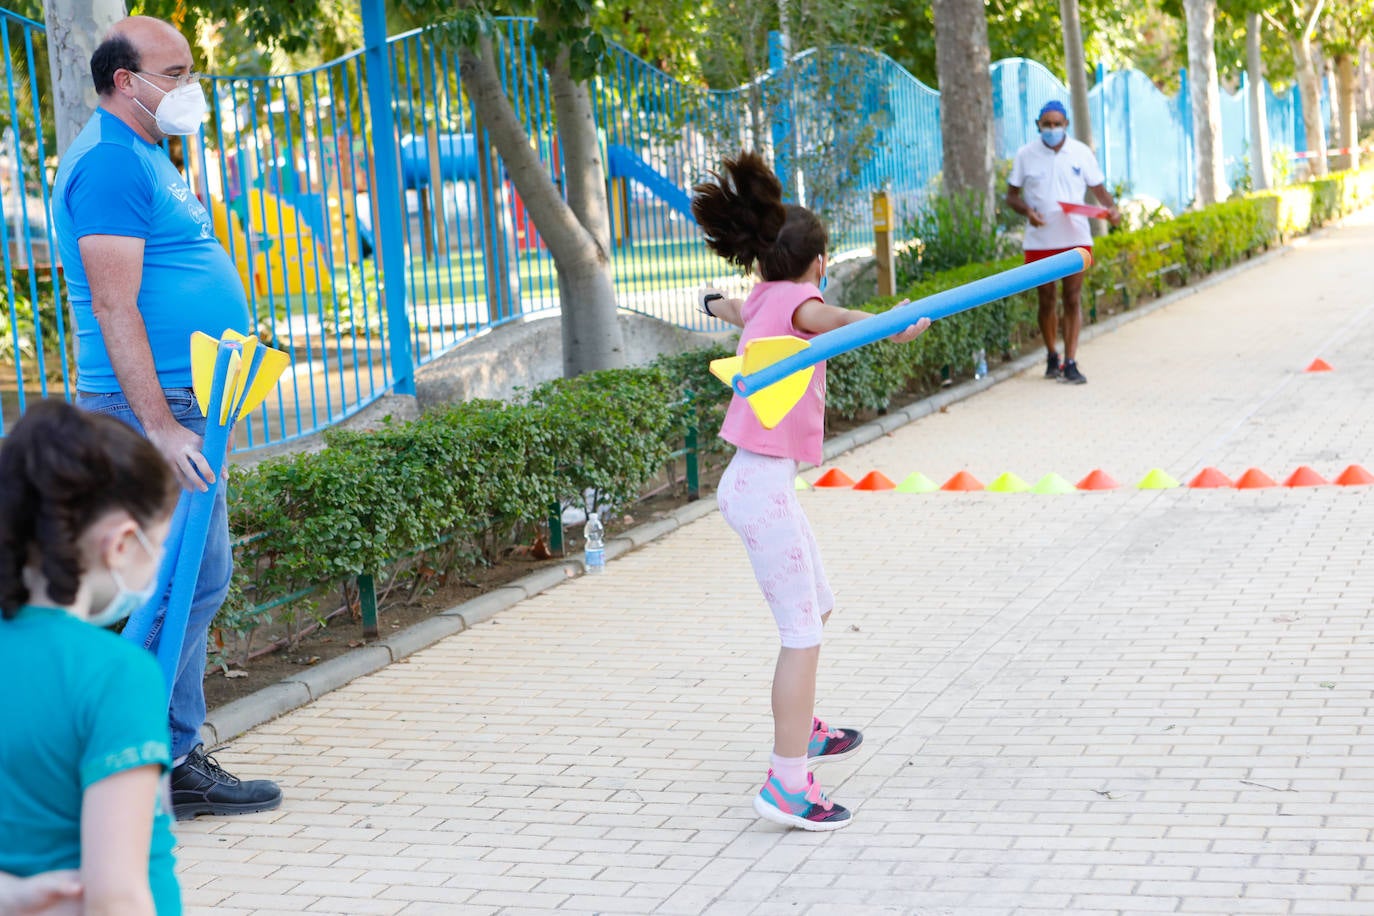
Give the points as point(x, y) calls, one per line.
point(83, 757)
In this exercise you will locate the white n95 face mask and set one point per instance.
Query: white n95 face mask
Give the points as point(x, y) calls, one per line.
point(181, 111)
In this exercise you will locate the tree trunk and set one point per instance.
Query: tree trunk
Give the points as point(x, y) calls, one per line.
point(1366, 85)
point(1206, 100)
point(591, 326)
point(963, 70)
point(1260, 166)
point(1075, 63)
point(1309, 88)
point(74, 28)
point(1348, 134)
point(1327, 68)
point(1076, 69)
point(591, 332)
point(582, 166)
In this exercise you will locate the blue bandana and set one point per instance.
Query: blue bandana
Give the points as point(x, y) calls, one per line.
point(1053, 105)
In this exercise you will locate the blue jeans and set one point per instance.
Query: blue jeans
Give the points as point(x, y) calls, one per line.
point(187, 712)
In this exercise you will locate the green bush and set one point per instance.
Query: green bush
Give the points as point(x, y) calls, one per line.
point(608, 432)
point(689, 374)
point(471, 475)
point(949, 232)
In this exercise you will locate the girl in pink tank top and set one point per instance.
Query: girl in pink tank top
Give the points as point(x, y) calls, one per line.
point(746, 222)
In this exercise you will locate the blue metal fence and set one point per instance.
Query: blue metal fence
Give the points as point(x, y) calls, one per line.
point(287, 167)
point(35, 360)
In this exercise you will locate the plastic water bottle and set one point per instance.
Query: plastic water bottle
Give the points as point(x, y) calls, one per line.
point(980, 363)
point(595, 557)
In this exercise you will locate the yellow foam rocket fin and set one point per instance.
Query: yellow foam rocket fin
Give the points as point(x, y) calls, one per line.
point(726, 368)
point(274, 363)
point(262, 368)
point(773, 403)
point(204, 349)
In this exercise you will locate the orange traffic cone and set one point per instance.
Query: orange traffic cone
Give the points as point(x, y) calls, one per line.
point(1354, 476)
point(963, 482)
point(875, 480)
point(1210, 478)
point(1319, 365)
point(1098, 480)
point(1254, 479)
point(1304, 476)
point(834, 478)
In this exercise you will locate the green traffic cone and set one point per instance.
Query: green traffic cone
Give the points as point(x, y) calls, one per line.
point(1157, 480)
point(1053, 484)
point(1008, 483)
point(917, 482)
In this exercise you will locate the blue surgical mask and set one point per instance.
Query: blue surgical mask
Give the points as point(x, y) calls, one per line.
point(126, 600)
point(825, 281)
point(1053, 136)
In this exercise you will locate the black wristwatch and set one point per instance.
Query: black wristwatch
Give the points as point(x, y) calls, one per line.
point(706, 303)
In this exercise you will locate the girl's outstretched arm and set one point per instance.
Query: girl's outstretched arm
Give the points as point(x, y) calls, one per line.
point(817, 317)
point(716, 304)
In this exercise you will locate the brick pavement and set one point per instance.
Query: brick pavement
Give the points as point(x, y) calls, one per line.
point(1122, 702)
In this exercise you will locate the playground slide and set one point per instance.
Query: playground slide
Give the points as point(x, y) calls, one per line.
point(623, 162)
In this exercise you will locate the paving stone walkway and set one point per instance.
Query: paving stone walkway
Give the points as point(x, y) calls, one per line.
point(1113, 702)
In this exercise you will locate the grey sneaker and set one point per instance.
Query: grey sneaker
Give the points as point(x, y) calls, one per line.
point(1052, 369)
point(1071, 374)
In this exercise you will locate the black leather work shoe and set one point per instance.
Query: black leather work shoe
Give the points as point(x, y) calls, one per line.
point(201, 786)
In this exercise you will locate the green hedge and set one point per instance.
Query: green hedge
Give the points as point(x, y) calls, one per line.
point(477, 475)
point(470, 476)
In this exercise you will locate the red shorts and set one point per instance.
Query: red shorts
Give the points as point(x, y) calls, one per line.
point(1039, 254)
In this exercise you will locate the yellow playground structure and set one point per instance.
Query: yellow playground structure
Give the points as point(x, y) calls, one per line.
point(277, 252)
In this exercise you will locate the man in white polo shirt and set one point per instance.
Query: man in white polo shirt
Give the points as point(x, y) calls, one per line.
point(1048, 171)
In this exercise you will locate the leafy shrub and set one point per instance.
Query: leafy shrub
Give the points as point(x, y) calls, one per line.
point(690, 374)
point(949, 231)
point(608, 429)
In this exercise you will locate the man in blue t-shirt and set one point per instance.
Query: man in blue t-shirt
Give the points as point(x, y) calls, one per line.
point(144, 271)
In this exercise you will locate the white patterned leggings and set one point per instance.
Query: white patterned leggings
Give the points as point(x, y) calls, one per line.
point(758, 499)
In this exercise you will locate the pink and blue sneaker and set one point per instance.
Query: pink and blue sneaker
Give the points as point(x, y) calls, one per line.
point(831, 743)
point(807, 809)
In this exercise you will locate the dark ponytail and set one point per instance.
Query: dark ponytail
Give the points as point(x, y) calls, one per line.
point(746, 223)
point(62, 468)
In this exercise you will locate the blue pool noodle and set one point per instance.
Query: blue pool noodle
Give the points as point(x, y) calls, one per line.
point(940, 305)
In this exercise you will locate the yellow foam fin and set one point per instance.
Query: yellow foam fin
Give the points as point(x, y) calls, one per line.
point(773, 403)
point(274, 363)
point(726, 368)
point(204, 349)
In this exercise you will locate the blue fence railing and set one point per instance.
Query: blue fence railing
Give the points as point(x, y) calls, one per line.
point(286, 166)
point(34, 338)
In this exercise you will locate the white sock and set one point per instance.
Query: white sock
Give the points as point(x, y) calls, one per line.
point(179, 761)
point(791, 771)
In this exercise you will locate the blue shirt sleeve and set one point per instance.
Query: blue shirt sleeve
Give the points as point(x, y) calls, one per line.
point(126, 717)
point(110, 193)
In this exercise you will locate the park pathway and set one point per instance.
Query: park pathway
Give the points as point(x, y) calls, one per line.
point(1128, 701)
